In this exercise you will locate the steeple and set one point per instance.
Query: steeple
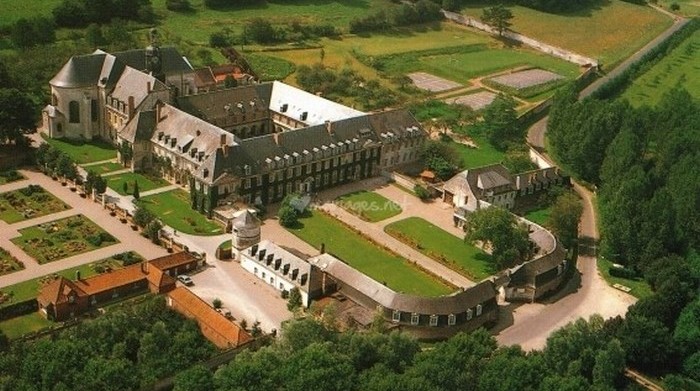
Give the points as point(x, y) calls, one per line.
point(154, 60)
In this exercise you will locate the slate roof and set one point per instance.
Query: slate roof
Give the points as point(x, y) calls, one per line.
point(219, 103)
point(80, 71)
point(134, 83)
point(172, 60)
point(245, 219)
point(140, 127)
point(444, 305)
point(490, 177)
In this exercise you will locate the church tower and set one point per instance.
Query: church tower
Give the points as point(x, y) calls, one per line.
point(154, 59)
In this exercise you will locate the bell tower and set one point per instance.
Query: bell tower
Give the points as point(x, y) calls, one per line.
point(154, 60)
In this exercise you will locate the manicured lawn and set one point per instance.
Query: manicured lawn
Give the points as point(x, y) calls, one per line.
point(25, 324)
point(63, 238)
point(146, 183)
point(16, 9)
point(173, 209)
point(10, 176)
point(8, 263)
point(268, 67)
point(104, 168)
point(28, 203)
point(369, 206)
point(476, 157)
point(30, 288)
point(379, 264)
point(442, 246)
point(539, 216)
point(84, 152)
point(680, 67)
point(598, 32)
point(640, 288)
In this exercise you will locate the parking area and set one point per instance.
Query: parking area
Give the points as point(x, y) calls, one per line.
point(432, 83)
point(476, 101)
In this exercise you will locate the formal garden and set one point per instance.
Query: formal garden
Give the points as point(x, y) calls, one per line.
point(82, 151)
point(62, 238)
point(369, 206)
point(443, 247)
point(10, 176)
point(318, 228)
point(125, 183)
point(173, 209)
point(28, 203)
point(8, 263)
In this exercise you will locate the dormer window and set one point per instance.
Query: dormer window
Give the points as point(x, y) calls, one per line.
point(396, 316)
point(433, 320)
point(246, 169)
point(415, 318)
point(451, 319)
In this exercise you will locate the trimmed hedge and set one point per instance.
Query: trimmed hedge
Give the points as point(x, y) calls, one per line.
point(19, 309)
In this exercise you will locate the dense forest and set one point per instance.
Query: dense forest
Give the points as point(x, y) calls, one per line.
point(644, 163)
point(126, 349)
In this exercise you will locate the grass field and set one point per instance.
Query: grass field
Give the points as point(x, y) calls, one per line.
point(379, 264)
point(681, 67)
point(116, 182)
point(104, 168)
point(8, 263)
point(173, 208)
point(640, 288)
point(268, 67)
point(17, 206)
point(25, 324)
point(608, 32)
point(11, 10)
point(689, 8)
point(484, 155)
point(62, 238)
point(369, 206)
point(539, 216)
point(442, 246)
point(82, 152)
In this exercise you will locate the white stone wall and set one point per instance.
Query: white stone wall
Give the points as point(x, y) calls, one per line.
point(86, 128)
point(271, 277)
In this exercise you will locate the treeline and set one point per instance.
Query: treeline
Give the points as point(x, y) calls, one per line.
point(584, 355)
point(403, 14)
point(128, 348)
point(80, 13)
point(261, 31)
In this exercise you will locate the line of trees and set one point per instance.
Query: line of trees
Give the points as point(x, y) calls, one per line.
point(80, 13)
point(405, 14)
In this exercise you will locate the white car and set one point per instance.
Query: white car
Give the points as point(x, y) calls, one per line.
point(185, 280)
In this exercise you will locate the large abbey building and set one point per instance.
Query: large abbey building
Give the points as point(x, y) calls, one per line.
point(254, 143)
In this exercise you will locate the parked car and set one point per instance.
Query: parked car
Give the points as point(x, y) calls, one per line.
point(185, 280)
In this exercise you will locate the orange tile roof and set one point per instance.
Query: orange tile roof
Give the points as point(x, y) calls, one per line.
point(171, 260)
point(57, 291)
point(207, 315)
point(110, 280)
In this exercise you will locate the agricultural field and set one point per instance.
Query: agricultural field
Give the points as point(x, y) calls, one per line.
point(173, 209)
point(83, 152)
point(598, 32)
point(369, 206)
point(8, 263)
point(146, 183)
point(379, 264)
point(28, 203)
point(680, 67)
point(443, 247)
point(62, 238)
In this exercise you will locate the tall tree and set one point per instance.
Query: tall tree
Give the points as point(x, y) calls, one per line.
point(18, 115)
point(498, 228)
point(566, 213)
point(498, 16)
point(501, 122)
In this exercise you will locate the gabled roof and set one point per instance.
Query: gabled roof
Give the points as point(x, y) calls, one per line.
point(170, 261)
point(172, 61)
point(134, 83)
point(208, 318)
point(110, 280)
point(218, 104)
point(491, 179)
point(80, 71)
point(140, 127)
point(58, 290)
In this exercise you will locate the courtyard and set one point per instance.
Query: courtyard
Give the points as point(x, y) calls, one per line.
point(173, 208)
point(82, 151)
point(124, 183)
point(369, 206)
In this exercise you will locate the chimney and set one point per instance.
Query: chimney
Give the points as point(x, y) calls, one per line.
point(329, 127)
point(159, 109)
point(77, 275)
point(144, 267)
point(224, 145)
point(276, 137)
point(131, 107)
point(148, 86)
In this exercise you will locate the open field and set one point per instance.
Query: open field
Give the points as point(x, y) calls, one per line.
point(379, 264)
point(62, 238)
point(104, 168)
point(83, 152)
point(689, 8)
point(16, 9)
point(442, 246)
point(680, 68)
point(21, 325)
point(173, 208)
point(8, 263)
point(198, 25)
point(116, 182)
point(28, 203)
point(608, 32)
point(640, 288)
point(369, 206)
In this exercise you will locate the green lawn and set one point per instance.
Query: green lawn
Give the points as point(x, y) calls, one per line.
point(484, 155)
point(28, 203)
point(268, 67)
point(16, 9)
point(539, 215)
point(8, 263)
point(379, 264)
point(104, 168)
point(25, 324)
point(689, 8)
point(598, 32)
point(680, 68)
point(369, 206)
point(640, 288)
point(146, 183)
point(442, 246)
point(84, 152)
point(173, 208)
point(62, 238)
